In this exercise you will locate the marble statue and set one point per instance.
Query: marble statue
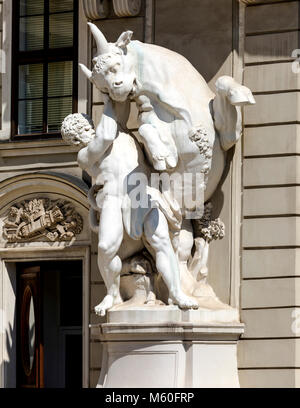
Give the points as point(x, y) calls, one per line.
point(153, 250)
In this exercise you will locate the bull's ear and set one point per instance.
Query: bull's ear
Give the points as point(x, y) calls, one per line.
point(124, 39)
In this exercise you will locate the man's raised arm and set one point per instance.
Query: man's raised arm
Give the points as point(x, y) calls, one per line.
point(106, 133)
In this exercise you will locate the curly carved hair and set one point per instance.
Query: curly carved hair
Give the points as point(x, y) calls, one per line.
point(78, 129)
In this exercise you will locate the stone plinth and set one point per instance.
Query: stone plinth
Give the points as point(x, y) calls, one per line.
point(169, 354)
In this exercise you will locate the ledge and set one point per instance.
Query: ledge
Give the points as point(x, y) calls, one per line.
point(254, 2)
point(170, 331)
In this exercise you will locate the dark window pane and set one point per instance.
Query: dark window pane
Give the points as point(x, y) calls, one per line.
point(31, 33)
point(31, 7)
point(61, 30)
point(30, 116)
point(58, 109)
point(60, 78)
point(61, 5)
point(30, 81)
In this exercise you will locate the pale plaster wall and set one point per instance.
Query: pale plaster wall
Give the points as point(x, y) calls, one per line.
point(1, 62)
point(268, 352)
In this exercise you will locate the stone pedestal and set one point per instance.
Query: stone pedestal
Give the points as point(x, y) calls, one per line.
point(152, 352)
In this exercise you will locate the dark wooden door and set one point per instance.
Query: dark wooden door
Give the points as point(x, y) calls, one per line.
point(30, 358)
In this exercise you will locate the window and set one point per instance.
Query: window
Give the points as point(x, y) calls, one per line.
point(44, 66)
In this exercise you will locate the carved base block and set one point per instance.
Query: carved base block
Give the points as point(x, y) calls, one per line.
point(172, 354)
point(159, 314)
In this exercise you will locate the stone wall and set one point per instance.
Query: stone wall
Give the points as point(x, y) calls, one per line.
point(268, 354)
point(1, 36)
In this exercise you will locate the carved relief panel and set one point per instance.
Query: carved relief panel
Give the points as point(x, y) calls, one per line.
point(41, 219)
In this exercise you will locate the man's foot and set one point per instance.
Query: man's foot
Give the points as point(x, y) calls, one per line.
point(106, 304)
point(183, 301)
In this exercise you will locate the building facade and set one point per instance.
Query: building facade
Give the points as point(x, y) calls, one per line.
point(50, 281)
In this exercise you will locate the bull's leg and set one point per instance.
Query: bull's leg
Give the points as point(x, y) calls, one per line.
point(198, 264)
point(157, 234)
point(158, 143)
point(161, 157)
point(227, 109)
point(110, 265)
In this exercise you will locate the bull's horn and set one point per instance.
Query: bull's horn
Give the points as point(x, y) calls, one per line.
point(102, 44)
point(86, 71)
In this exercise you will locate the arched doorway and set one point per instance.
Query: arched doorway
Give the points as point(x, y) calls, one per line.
point(45, 263)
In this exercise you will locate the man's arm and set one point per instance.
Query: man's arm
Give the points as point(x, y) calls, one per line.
point(106, 133)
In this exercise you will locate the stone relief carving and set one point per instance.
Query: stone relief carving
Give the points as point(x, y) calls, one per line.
point(95, 9)
point(153, 250)
point(124, 8)
point(42, 219)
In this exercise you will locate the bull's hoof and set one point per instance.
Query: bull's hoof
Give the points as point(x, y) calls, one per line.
point(238, 95)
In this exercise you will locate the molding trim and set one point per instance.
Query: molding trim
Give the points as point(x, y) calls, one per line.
point(252, 2)
point(149, 23)
point(236, 165)
point(95, 9)
point(127, 8)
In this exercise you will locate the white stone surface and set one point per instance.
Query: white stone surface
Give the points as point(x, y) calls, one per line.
point(156, 314)
point(169, 355)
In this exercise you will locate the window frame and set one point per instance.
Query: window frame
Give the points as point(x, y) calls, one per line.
point(43, 56)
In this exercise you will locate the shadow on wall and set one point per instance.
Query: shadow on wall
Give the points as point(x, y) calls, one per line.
point(9, 326)
point(8, 365)
point(218, 197)
point(200, 32)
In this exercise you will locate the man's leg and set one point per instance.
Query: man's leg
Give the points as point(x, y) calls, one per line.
point(157, 234)
point(110, 239)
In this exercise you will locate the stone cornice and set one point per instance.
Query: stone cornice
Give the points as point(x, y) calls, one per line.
point(251, 2)
point(126, 8)
point(97, 9)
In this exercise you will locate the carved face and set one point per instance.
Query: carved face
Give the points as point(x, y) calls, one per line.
point(113, 71)
point(114, 74)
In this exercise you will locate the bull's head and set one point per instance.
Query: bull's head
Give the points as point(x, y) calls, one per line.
point(113, 72)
